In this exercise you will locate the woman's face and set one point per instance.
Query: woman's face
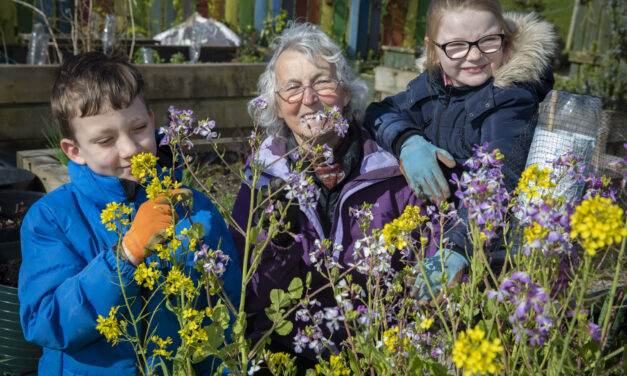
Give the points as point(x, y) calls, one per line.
point(292, 70)
point(469, 25)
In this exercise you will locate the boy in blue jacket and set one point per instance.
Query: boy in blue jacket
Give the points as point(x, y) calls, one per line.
point(69, 273)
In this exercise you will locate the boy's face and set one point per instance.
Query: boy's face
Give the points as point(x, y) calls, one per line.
point(106, 142)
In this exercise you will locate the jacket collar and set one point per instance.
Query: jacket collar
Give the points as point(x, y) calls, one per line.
point(100, 189)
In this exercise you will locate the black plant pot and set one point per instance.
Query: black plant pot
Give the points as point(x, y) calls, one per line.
point(19, 179)
point(17, 357)
point(13, 206)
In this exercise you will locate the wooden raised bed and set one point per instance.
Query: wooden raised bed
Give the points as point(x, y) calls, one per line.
point(216, 90)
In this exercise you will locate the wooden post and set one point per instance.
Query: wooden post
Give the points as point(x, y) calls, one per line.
point(260, 13)
point(411, 18)
point(571, 29)
point(246, 13)
point(300, 10)
point(326, 16)
point(358, 30)
point(230, 12)
point(314, 12)
point(288, 6)
point(339, 19)
point(375, 26)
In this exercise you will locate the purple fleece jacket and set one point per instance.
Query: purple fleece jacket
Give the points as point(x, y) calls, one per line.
point(379, 181)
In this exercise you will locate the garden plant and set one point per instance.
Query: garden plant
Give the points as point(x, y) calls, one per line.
point(529, 316)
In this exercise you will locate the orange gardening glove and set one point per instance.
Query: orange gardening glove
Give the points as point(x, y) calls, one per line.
point(149, 226)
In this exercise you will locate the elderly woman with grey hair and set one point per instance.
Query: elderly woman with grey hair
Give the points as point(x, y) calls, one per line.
point(307, 76)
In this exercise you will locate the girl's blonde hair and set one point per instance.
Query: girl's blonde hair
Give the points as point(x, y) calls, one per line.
point(439, 8)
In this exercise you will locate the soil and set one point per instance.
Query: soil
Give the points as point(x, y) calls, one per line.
point(13, 219)
point(9, 272)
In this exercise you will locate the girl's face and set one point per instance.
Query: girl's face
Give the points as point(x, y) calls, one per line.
point(468, 25)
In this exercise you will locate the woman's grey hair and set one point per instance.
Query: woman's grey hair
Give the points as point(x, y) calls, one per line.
point(312, 42)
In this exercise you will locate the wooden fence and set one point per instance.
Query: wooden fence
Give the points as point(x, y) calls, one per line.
point(360, 25)
point(218, 91)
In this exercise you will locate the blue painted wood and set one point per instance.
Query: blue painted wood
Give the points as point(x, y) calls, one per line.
point(375, 26)
point(276, 8)
point(288, 6)
point(353, 28)
point(358, 32)
point(260, 13)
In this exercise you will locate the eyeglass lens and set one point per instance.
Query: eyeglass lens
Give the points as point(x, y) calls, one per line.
point(488, 44)
point(323, 87)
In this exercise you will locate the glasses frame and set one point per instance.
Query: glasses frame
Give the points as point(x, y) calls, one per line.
point(470, 44)
point(302, 93)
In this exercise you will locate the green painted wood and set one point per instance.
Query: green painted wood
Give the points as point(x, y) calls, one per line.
point(326, 16)
point(591, 36)
point(421, 22)
point(340, 19)
point(411, 19)
point(580, 14)
point(246, 13)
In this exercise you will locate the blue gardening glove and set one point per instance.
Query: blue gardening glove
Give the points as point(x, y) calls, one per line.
point(419, 164)
point(453, 264)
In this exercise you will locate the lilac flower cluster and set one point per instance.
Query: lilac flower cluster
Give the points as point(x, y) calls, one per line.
point(302, 188)
point(324, 253)
point(599, 187)
point(330, 115)
point(372, 256)
point(312, 336)
point(531, 307)
point(258, 104)
point(482, 190)
point(554, 221)
point(181, 128)
point(213, 261)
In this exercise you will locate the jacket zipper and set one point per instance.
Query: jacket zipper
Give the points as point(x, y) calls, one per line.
point(437, 129)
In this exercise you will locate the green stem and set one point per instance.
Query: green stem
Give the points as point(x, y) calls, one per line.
point(608, 312)
point(571, 326)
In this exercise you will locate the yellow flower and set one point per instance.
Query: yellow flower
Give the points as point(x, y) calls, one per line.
point(398, 232)
point(161, 343)
point(426, 323)
point(534, 181)
point(143, 166)
point(475, 354)
point(535, 232)
point(597, 223)
point(177, 282)
point(113, 214)
point(147, 276)
point(190, 312)
point(110, 327)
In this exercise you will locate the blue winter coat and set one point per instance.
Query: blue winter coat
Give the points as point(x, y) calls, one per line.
point(501, 112)
point(69, 275)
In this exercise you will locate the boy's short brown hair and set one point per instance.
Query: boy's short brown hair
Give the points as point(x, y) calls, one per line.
point(90, 82)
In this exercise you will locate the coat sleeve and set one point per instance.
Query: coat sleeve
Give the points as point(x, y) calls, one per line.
point(61, 294)
point(509, 128)
point(390, 120)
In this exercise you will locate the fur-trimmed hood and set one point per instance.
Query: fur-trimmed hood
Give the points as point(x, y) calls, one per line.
point(530, 51)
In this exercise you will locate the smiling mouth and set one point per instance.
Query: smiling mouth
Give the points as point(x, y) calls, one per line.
point(475, 70)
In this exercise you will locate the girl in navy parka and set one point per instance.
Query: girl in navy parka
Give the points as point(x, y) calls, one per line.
point(486, 74)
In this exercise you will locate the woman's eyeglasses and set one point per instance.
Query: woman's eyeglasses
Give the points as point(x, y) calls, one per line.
point(324, 87)
point(458, 49)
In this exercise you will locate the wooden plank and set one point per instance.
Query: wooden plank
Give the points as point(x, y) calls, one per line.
point(45, 166)
point(409, 29)
point(230, 12)
point(398, 24)
point(246, 14)
point(340, 18)
point(593, 27)
point(314, 12)
point(276, 8)
point(260, 13)
point(421, 23)
point(288, 6)
point(21, 84)
point(362, 29)
point(326, 16)
point(300, 10)
point(26, 84)
point(353, 34)
point(605, 32)
point(374, 38)
point(389, 81)
point(583, 57)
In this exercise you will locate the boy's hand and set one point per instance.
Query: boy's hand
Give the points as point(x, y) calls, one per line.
point(149, 226)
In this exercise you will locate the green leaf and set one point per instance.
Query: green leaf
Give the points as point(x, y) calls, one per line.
point(295, 290)
point(221, 315)
point(278, 300)
point(197, 230)
point(239, 326)
point(308, 280)
point(284, 327)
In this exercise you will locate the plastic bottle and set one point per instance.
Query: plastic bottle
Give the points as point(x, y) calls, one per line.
point(108, 32)
point(38, 45)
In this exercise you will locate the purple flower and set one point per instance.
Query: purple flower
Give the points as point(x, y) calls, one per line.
point(258, 104)
point(301, 187)
point(213, 261)
point(594, 330)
